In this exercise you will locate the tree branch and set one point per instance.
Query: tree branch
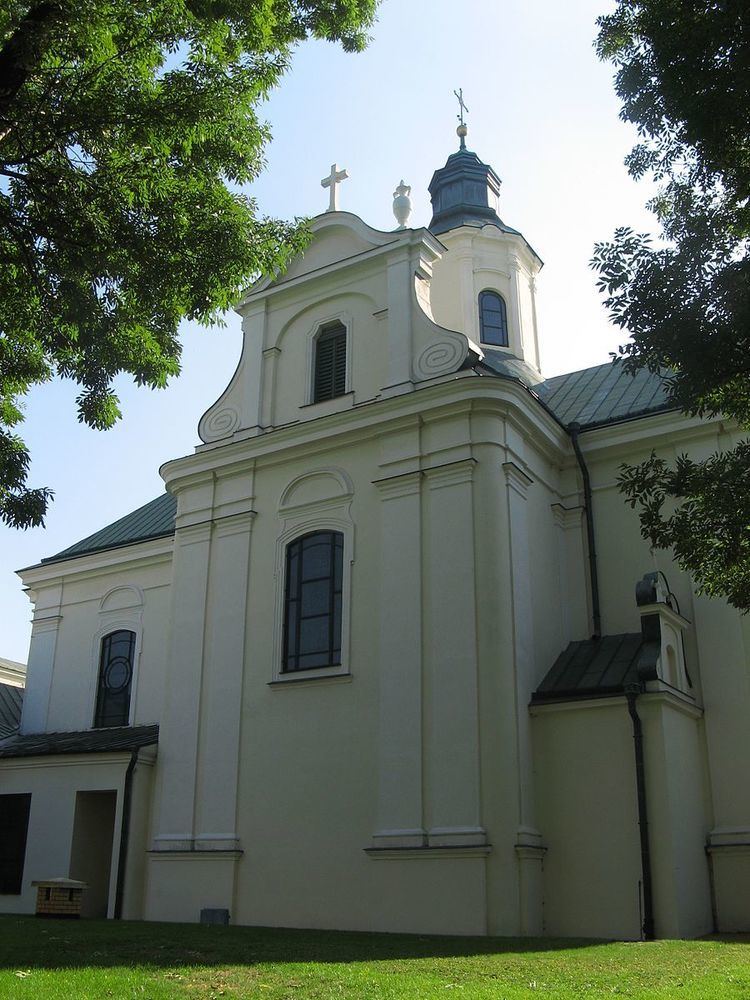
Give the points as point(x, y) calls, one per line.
point(23, 51)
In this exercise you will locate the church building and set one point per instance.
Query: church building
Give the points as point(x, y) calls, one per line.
point(390, 654)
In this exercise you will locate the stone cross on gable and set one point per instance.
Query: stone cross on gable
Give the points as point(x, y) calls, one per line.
point(332, 181)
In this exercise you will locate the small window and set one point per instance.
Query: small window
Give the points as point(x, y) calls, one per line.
point(330, 363)
point(493, 319)
point(115, 679)
point(312, 608)
point(14, 826)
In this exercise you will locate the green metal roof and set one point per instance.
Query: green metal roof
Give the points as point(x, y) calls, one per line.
point(591, 397)
point(595, 668)
point(153, 520)
point(604, 394)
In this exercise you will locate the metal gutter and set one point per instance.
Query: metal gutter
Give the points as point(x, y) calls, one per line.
point(127, 797)
point(574, 430)
point(640, 779)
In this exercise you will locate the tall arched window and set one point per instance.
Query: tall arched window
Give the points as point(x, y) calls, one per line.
point(312, 604)
point(330, 363)
point(115, 679)
point(493, 319)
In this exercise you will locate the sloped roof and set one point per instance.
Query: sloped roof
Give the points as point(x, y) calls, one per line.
point(603, 394)
point(594, 668)
point(12, 670)
point(85, 741)
point(153, 520)
point(11, 702)
point(591, 397)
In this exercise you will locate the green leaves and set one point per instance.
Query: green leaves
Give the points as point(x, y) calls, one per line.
point(121, 125)
point(683, 75)
point(702, 511)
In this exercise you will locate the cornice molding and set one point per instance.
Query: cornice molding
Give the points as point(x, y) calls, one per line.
point(567, 517)
point(505, 397)
point(451, 474)
point(518, 480)
point(49, 623)
point(153, 551)
point(403, 485)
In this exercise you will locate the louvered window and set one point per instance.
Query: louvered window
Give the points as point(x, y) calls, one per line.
point(493, 319)
point(330, 363)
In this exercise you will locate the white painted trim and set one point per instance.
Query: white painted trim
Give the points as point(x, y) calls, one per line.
point(344, 317)
point(127, 619)
point(329, 514)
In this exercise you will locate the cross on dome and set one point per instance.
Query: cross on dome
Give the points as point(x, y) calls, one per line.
point(462, 129)
point(332, 181)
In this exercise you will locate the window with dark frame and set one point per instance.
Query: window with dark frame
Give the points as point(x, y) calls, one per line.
point(312, 605)
point(14, 827)
point(115, 679)
point(493, 319)
point(330, 363)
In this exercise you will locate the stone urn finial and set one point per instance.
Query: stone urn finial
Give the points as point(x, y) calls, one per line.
point(402, 204)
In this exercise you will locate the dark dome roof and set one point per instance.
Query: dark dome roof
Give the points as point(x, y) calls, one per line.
point(465, 193)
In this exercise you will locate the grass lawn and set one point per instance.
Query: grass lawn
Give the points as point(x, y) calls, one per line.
point(43, 959)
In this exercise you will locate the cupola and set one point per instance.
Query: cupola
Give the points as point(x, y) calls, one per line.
point(485, 283)
point(464, 192)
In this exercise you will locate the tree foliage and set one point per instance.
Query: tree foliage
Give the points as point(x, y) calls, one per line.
point(126, 128)
point(683, 75)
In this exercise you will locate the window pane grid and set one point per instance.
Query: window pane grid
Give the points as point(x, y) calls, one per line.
point(493, 319)
point(115, 678)
point(312, 614)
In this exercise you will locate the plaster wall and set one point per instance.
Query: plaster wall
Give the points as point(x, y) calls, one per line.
point(623, 555)
point(717, 657)
point(53, 783)
point(487, 259)
point(62, 684)
point(679, 815)
point(585, 782)
point(310, 750)
point(392, 752)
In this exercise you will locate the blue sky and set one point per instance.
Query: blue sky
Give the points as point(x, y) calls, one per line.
point(542, 111)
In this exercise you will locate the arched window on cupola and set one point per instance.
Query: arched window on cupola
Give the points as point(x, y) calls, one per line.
point(493, 319)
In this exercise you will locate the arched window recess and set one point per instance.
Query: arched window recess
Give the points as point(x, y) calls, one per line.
point(493, 319)
point(329, 362)
point(312, 601)
point(116, 662)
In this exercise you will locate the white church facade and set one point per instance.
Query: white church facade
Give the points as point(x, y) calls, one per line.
point(390, 654)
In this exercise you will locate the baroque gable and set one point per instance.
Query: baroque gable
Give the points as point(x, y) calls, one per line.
point(375, 288)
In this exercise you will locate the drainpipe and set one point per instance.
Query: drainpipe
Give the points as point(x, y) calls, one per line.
point(127, 796)
point(631, 694)
point(574, 430)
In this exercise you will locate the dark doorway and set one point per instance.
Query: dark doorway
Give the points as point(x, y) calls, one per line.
point(91, 850)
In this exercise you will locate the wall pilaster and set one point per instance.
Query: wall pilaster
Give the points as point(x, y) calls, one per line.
point(399, 822)
point(178, 731)
point(528, 847)
point(451, 685)
point(44, 630)
point(221, 696)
